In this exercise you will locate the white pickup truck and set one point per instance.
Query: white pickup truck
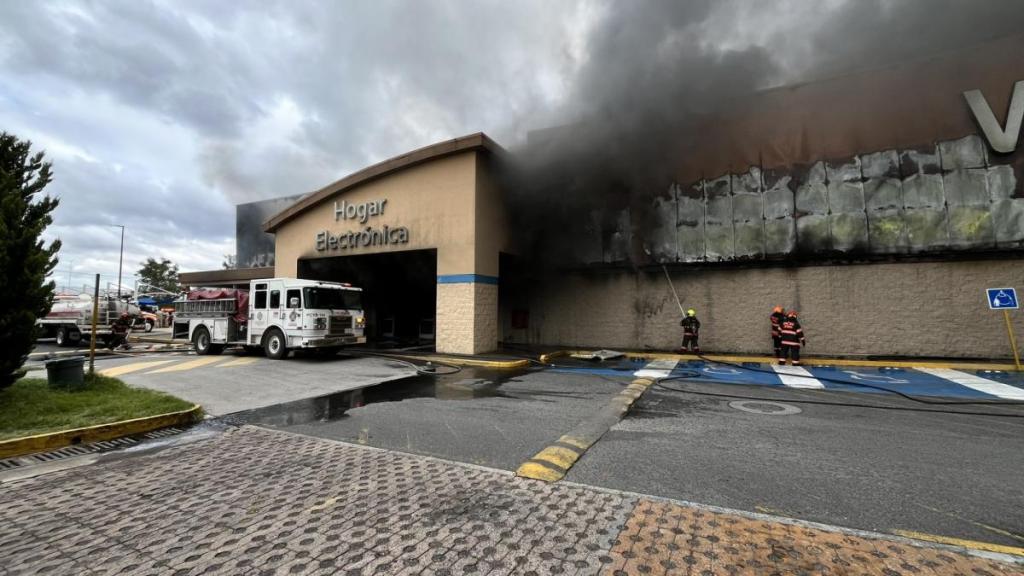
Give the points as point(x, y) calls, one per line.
point(275, 314)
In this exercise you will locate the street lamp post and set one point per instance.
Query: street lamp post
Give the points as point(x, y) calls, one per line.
point(120, 260)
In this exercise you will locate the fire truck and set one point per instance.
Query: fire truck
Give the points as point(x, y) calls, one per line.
point(276, 315)
point(70, 318)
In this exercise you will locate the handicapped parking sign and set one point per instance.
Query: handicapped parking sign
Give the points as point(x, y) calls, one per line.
point(1002, 298)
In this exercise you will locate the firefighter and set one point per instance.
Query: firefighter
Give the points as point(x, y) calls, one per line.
point(119, 331)
point(691, 331)
point(776, 319)
point(792, 336)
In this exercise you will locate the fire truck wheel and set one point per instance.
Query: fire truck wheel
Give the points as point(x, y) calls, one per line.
point(201, 340)
point(67, 337)
point(274, 344)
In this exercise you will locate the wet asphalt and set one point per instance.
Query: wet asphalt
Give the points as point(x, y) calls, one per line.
point(876, 469)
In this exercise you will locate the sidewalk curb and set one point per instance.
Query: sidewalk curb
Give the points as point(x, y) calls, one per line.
point(98, 433)
point(157, 340)
point(63, 353)
point(459, 361)
point(806, 361)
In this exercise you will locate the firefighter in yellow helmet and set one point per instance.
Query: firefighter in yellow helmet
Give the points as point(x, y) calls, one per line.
point(691, 332)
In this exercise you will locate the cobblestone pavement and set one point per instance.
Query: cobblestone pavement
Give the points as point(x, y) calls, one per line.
point(254, 501)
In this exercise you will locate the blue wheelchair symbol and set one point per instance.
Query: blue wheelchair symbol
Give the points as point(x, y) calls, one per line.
point(1002, 298)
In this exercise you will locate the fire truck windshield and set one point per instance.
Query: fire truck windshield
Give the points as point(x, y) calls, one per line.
point(332, 298)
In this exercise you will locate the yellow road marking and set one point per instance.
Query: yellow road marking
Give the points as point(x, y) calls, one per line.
point(987, 546)
point(538, 472)
point(133, 367)
point(561, 457)
point(237, 362)
point(198, 362)
point(574, 441)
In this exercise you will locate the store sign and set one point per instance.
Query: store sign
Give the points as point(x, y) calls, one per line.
point(384, 236)
point(1001, 138)
point(362, 212)
point(369, 237)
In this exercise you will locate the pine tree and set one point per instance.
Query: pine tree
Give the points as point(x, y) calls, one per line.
point(24, 260)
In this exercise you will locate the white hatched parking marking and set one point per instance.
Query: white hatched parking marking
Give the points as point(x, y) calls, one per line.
point(977, 383)
point(657, 369)
point(796, 377)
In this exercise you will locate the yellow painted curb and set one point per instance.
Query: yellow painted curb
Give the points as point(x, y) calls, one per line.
point(546, 358)
point(459, 361)
point(98, 433)
point(536, 471)
point(552, 463)
point(973, 544)
point(561, 457)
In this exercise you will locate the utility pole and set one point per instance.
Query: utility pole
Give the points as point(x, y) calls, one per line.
point(95, 313)
point(120, 260)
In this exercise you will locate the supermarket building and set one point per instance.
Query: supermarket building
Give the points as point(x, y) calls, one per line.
point(880, 204)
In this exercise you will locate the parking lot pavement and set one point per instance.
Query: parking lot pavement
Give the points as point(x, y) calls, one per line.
point(229, 383)
point(495, 418)
point(823, 456)
point(255, 501)
point(872, 462)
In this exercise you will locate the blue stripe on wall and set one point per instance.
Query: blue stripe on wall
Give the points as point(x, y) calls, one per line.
point(467, 279)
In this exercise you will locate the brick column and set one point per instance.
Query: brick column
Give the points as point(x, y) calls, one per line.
point(467, 313)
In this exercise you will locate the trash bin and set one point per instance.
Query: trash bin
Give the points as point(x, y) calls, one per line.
point(67, 373)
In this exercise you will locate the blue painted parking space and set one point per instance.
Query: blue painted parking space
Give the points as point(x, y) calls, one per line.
point(941, 383)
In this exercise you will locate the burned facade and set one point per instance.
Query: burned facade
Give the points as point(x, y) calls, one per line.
point(874, 203)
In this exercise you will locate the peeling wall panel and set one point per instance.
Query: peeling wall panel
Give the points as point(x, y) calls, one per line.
point(690, 222)
point(718, 230)
point(967, 152)
point(970, 210)
point(663, 238)
point(748, 214)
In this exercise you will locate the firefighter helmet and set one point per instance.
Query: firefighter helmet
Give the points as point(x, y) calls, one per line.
point(791, 314)
point(691, 312)
point(777, 309)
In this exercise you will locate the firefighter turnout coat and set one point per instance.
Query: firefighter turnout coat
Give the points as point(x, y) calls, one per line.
point(791, 332)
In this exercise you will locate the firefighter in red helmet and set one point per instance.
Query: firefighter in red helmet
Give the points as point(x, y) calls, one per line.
point(792, 338)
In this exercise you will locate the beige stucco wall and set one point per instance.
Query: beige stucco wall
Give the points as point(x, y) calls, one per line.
point(910, 309)
point(436, 201)
point(451, 204)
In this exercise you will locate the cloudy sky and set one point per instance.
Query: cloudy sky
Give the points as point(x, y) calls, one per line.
point(162, 115)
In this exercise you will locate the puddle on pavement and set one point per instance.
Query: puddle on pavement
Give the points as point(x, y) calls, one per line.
point(469, 384)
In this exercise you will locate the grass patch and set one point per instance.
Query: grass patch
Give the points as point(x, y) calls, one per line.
point(31, 407)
